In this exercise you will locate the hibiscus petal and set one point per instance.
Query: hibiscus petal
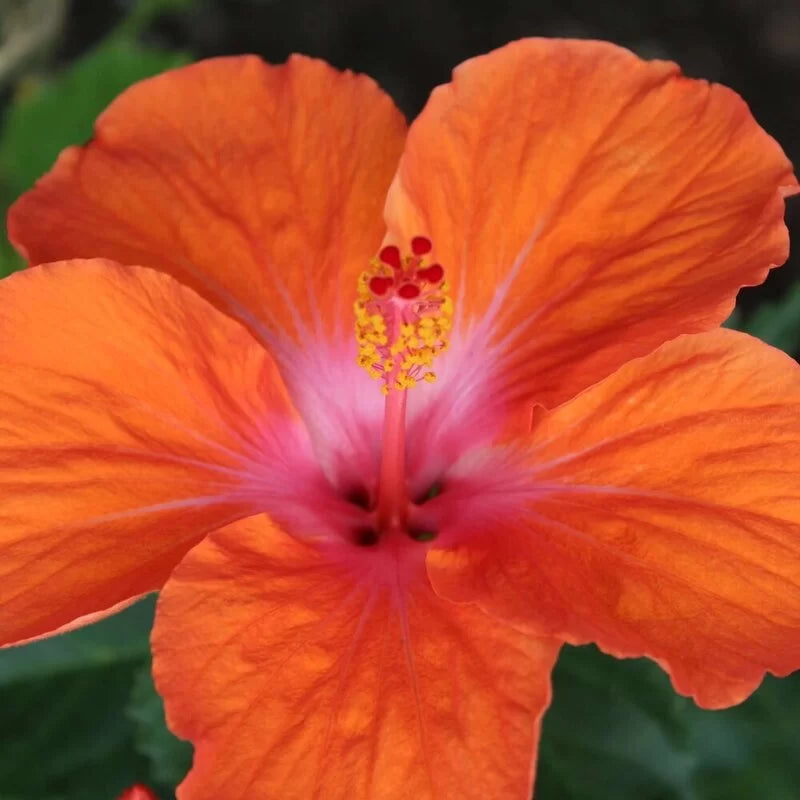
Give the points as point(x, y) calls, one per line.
point(662, 519)
point(259, 186)
point(587, 206)
point(79, 622)
point(298, 674)
point(134, 418)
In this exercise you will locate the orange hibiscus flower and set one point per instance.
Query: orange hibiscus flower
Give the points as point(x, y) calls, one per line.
point(363, 592)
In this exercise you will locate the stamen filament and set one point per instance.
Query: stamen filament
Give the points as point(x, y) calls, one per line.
point(402, 322)
point(392, 489)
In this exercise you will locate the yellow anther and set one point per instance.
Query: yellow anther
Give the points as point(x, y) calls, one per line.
point(400, 334)
point(404, 381)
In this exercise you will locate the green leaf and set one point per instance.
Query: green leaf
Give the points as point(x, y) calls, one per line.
point(617, 729)
point(65, 736)
point(10, 259)
point(616, 725)
point(170, 758)
point(751, 750)
point(121, 638)
point(735, 320)
point(777, 323)
point(63, 731)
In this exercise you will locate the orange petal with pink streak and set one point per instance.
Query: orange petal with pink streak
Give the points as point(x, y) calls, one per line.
point(260, 186)
point(296, 677)
point(663, 519)
point(605, 204)
point(130, 416)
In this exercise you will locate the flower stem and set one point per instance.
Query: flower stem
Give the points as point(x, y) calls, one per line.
point(392, 491)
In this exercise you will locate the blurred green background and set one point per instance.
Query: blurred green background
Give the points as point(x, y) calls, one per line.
point(79, 718)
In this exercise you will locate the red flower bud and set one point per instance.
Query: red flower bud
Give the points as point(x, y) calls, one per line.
point(137, 792)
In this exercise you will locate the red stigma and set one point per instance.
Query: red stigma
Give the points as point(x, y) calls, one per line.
point(432, 274)
point(380, 285)
point(420, 245)
point(408, 291)
point(391, 255)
